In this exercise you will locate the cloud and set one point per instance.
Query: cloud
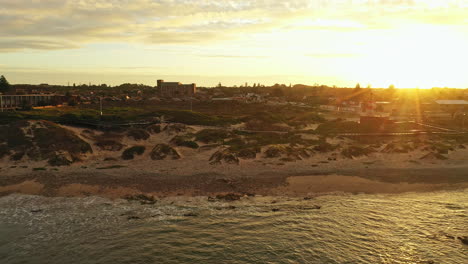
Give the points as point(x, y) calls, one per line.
point(333, 55)
point(63, 24)
point(233, 56)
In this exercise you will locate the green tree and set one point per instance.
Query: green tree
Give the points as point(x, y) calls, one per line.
point(4, 85)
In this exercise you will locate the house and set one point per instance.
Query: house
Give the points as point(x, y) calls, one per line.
point(176, 89)
point(453, 106)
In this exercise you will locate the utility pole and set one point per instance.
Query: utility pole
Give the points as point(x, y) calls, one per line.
point(100, 104)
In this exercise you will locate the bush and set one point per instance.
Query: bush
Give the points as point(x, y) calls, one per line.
point(184, 141)
point(338, 126)
point(224, 156)
point(109, 145)
point(4, 151)
point(154, 129)
point(163, 151)
point(212, 135)
point(130, 153)
point(356, 151)
point(138, 134)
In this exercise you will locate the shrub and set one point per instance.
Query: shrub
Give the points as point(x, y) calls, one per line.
point(224, 156)
point(4, 151)
point(338, 126)
point(356, 151)
point(248, 153)
point(130, 153)
point(184, 141)
point(163, 151)
point(109, 145)
point(212, 135)
point(138, 134)
point(154, 129)
point(60, 160)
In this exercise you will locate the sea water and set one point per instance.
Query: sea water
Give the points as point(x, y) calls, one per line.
point(403, 228)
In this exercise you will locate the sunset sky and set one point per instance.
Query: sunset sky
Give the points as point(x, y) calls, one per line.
point(409, 43)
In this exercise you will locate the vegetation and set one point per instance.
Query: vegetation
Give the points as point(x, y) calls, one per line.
point(163, 151)
point(212, 135)
point(42, 140)
point(357, 151)
point(4, 85)
point(138, 134)
point(185, 141)
point(130, 153)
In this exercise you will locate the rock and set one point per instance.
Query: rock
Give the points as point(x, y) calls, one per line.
point(464, 239)
point(275, 210)
point(36, 210)
point(163, 151)
point(133, 217)
point(307, 198)
point(228, 197)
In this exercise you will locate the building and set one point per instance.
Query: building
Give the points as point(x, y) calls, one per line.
point(176, 89)
point(18, 101)
point(454, 107)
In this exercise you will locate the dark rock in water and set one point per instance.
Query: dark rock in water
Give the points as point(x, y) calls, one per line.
point(132, 217)
point(464, 239)
point(275, 210)
point(36, 210)
point(228, 197)
point(191, 214)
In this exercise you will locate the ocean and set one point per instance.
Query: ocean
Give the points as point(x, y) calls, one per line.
point(359, 228)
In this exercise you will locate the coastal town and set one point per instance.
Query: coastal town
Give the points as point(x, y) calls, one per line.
point(234, 133)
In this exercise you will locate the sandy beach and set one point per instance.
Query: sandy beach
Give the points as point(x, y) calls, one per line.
point(103, 172)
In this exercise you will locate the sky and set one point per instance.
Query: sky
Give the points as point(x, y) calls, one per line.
point(408, 43)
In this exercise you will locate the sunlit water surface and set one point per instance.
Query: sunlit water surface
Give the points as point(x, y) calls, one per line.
point(406, 228)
